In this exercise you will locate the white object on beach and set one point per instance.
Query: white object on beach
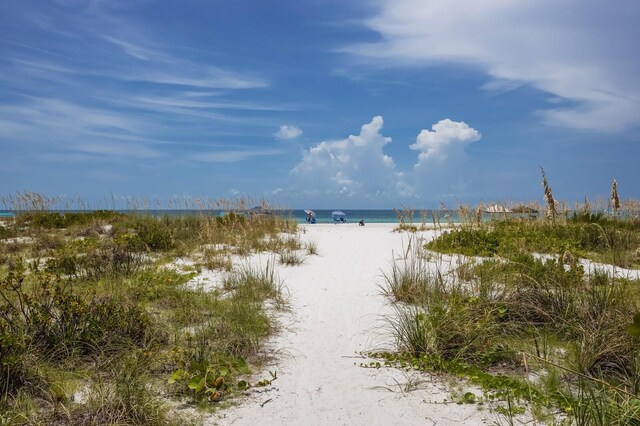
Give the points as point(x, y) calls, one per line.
point(497, 208)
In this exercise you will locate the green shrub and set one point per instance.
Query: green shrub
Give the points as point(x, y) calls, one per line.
point(600, 239)
point(14, 358)
point(47, 319)
point(154, 235)
point(56, 220)
point(107, 259)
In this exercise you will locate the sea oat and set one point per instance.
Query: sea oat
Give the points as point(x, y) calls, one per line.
point(615, 201)
point(551, 210)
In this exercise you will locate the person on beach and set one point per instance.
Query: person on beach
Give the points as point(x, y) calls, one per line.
point(361, 223)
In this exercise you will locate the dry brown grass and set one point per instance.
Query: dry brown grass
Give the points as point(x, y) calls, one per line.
point(615, 200)
point(552, 204)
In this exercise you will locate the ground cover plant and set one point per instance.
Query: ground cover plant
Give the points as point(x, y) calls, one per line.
point(96, 328)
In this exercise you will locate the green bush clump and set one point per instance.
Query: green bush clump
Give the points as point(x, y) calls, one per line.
point(153, 234)
point(7, 232)
point(46, 320)
point(105, 259)
point(469, 242)
point(56, 220)
point(601, 239)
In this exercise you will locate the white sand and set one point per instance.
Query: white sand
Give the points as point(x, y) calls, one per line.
point(336, 310)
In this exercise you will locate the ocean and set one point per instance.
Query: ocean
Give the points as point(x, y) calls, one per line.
point(375, 216)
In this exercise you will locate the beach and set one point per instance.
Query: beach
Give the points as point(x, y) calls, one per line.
point(337, 312)
point(257, 320)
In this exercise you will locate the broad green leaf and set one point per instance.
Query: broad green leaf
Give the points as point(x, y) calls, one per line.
point(177, 375)
point(634, 329)
point(242, 385)
point(224, 371)
point(196, 383)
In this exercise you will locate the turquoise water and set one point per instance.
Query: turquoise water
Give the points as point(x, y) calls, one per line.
point(371, 216)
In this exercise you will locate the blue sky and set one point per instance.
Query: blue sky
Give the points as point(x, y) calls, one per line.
point(321, 103)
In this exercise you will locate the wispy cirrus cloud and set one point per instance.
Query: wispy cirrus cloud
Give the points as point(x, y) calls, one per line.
point(85, 81)
point(55, 126)
point(579, 52)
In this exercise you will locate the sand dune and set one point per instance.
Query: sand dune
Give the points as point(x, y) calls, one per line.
point(336, 311)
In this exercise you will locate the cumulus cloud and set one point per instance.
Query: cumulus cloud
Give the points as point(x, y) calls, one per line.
point(287, 132)
point(355, 166)
point(579, 52)
point(445, 136)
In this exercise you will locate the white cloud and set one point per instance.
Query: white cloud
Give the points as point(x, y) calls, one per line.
point(287, 132)
point(355, 166)
point(446, 135)
point(61, 127)
point(580, 51)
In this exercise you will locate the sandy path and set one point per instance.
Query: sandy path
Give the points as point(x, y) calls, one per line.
point(336, 308)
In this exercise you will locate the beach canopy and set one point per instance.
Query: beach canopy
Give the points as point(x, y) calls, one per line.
point(497, 208)
point(338, 216)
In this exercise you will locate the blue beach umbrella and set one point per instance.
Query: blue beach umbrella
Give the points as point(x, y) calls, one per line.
point(338, 216)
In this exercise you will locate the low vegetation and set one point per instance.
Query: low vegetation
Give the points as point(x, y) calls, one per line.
point(538, 333)
point(528, 329)
point(95, 328)
point(588, 235)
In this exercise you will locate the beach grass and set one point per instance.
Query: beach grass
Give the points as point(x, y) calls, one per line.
point(96, 328)
point(523, 317)
point(100, 325)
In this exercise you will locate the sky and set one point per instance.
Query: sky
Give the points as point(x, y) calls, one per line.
point(321, 103)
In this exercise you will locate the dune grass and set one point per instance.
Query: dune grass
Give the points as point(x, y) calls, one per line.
point(588, 235)
point(538, 332)
point(95, 329)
